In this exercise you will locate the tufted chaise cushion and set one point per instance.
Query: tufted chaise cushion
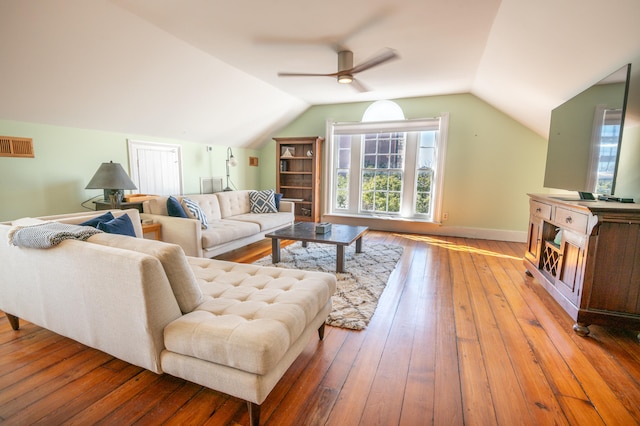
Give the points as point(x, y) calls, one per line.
point(251, 315)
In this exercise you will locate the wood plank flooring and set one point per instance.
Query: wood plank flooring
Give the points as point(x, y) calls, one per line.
point(461, 336)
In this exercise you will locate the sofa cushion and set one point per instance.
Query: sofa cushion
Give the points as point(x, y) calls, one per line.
point(174, 208)
point(158, 205)
point(233, 203)
point(171, 256)
point(224, 231)
point(193, 210)
point(266, 221)
point(120, 225)
point(208, 204)
point(251, 315)
point(262, 201)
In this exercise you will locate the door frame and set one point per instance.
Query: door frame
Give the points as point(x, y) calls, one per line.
point(135, 144)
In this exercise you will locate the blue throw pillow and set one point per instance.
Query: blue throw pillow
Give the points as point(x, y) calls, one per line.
point(120, 225)
point(96, 220)
point(278, 197)
point(174, 208)
point(262, 201)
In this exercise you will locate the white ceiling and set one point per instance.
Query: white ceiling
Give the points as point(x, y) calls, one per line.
point(206, 70)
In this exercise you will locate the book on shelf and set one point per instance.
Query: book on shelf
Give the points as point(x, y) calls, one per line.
point(292, 199)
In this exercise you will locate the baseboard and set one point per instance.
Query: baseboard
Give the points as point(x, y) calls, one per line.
point(430, 228)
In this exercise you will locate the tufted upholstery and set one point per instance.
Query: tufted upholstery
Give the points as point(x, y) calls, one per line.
point(233, 203)
point(251, 315)
point(231, 225)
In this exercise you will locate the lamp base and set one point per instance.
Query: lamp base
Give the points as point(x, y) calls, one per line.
point(227, 189)
point(114, 196)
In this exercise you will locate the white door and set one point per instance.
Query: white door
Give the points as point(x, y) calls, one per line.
point(156, 168)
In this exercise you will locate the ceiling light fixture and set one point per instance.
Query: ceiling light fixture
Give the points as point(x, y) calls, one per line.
point(345, 78)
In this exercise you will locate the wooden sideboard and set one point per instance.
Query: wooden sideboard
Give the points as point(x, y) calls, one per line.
point(593, 268)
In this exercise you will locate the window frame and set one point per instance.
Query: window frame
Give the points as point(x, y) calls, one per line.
point(410, 170)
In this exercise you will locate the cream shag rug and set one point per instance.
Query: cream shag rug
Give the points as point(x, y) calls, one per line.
point(359, 288)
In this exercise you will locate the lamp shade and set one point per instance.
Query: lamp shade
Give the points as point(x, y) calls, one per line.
point(110, 176)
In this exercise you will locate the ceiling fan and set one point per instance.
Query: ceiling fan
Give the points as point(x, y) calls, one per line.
point(346, 70)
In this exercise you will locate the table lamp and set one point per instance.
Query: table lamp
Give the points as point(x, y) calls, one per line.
point(114, 180)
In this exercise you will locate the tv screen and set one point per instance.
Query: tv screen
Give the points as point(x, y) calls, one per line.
point(585, 135)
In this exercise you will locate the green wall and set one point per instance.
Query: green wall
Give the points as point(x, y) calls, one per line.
point(66, 158)
point(492, 161)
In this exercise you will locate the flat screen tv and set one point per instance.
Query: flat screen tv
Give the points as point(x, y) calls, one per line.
point(585, 138)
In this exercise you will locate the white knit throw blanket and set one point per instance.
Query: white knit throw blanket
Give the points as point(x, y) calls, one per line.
point(48, 234)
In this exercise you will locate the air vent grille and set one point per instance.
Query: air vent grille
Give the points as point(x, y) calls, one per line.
point(11, 146)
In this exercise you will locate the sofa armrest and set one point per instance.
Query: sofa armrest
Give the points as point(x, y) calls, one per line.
point(286, 206)
point(187, 233)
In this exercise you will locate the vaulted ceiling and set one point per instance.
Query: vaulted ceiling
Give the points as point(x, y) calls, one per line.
point(206, 70)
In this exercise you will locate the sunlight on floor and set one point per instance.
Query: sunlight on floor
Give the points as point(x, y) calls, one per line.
point(455, 247)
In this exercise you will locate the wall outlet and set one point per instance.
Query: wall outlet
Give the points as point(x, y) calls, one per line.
point(209, 148)
point(445, 216)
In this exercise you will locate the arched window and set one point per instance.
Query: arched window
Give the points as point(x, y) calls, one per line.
point(387, 166)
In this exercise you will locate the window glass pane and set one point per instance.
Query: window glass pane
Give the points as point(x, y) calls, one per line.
point(423, 191)
point(369, 161)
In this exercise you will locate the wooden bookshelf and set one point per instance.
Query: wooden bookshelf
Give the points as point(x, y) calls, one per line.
point(298, 168)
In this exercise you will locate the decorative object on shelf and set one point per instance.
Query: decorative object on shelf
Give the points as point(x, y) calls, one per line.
point(231, 161)
point(112, 178)
point(309, 153)
point(286, 152)
point(283, 166)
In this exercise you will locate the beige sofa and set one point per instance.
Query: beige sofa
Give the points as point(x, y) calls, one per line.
point(235, 328)
point(231, 224)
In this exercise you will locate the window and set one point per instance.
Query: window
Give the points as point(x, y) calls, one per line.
point(387, 168)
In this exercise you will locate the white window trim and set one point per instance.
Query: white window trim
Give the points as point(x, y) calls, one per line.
point(411, 125)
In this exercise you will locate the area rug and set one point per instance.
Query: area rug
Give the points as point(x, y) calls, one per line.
point(359, 288)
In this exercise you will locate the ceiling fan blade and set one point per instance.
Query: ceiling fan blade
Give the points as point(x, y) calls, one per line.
point(303, 74)
point(385, 56)
point(357, 84)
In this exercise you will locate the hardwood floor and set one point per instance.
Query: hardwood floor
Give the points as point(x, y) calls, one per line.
point(461, 336)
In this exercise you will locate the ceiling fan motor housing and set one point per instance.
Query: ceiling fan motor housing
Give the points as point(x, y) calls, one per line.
point(345, 64)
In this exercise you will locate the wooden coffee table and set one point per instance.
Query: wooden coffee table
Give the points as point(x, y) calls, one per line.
point(340, 236)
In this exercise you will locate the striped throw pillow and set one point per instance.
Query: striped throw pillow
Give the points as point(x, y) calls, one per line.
point(194, 211)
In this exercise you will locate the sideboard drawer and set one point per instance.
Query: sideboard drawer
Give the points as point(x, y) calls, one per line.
point(571, 219)
point(540, 210)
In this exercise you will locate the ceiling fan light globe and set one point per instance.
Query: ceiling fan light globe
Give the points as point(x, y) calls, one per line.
point(345, 79)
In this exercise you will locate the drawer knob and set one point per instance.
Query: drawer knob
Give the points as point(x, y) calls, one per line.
point(538, 210)
point(568, 219)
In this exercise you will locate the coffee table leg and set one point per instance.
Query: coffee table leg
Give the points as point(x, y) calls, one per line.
point(275, 250)
point(339, 258)
point(305, 244)
point(359, 245)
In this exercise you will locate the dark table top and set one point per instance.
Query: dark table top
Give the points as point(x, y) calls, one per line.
point(306, 231)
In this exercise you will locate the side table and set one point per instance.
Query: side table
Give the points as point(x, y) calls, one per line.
point(155, 228)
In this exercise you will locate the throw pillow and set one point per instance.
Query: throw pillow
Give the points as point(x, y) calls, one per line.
point(120, 225)
point(174, 208)
point(262, 201)
point(194, 211)
point(278, 197)
point(98, 219)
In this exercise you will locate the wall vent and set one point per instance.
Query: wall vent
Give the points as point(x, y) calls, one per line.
point(11, 146)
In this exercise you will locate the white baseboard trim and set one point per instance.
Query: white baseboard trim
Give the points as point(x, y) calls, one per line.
point(430, 228)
